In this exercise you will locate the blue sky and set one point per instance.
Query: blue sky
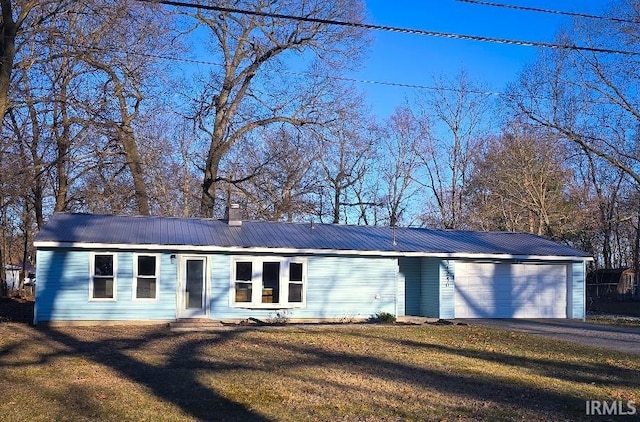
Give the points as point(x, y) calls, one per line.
point(417, 59)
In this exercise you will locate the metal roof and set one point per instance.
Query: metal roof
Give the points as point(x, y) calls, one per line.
point(75, 229)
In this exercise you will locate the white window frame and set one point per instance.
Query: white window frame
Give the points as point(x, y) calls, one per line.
point(134, 289)
point(92, 264)
point(256, 282)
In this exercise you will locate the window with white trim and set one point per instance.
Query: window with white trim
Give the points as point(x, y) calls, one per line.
point(296, 281)
point(267, 282)
point(145, 280)
point(102, 285)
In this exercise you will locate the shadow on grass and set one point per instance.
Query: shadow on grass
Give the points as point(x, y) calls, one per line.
point(460, 384)
point(588, 373)
point(177, 379)
point(174, 382)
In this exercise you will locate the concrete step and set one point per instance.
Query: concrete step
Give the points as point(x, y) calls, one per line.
point(195, 325)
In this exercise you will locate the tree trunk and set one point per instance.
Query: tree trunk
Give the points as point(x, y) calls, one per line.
point(209, 186)
point(7, 53)
point(336, 205)
point(61, 174)
point(62, 152)
point(636, 255)
point(217, 150)
point(26, 221)
point(3, 273)
point(135, 167)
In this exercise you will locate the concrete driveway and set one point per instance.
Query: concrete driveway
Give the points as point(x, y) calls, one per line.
point(610, 337)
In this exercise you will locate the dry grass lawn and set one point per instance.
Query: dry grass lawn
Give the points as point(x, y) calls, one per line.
point(355, 372)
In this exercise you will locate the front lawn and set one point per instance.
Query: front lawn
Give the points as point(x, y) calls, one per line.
point(351, 372)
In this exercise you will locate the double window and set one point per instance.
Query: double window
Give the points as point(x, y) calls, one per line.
point(268, 282)
point(103, 277)
point(103, 281)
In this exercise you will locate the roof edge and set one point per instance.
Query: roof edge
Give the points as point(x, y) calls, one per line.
point(305, 251)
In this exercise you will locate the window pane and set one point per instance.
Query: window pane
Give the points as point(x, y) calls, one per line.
point(103, 288)
point(146, 288)
point(147, 265)
point(270, 282)
point(195, 284)
point(295, 292)
point(295, 271)
point(243, 271)
point(103, 265)
point(243, 292)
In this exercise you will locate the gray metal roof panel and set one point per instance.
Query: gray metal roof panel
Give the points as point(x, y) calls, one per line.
point(109, 229)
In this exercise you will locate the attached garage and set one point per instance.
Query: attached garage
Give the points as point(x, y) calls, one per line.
point(511, 289)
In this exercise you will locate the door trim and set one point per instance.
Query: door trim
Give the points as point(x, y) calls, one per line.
point(181, 311)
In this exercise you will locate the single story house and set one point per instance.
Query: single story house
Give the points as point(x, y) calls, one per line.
point(117, 268)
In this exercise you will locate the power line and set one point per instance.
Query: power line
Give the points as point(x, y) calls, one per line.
point(395, 29)
point(551, 11)
point(333, 77)
point(289, 72)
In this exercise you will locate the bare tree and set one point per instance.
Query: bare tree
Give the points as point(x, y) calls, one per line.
point(169, 151)
point(589, 98)
point(275, 177)
point(455, 119)
point(114, 44)
point(346, 151)
point(254, 88)
point(398, 164)
point(20, 19)
point(521, 184)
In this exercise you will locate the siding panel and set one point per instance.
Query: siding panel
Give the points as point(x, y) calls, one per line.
point(337, 287)
point(62, 290)
point(447, 294)
point(430, 288)
point(577, 281)
point(411, 270)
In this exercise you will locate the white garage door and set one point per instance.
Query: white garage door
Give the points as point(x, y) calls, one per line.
point(510, 290)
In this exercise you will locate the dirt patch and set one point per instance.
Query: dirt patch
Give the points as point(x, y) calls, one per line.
point(16, 309)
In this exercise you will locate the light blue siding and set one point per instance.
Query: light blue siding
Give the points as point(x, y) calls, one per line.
point(337, 287)
point(430, 289)
point(410, 271)
point(437, 296)
point(219, 289)
point(62, 290)
point(447, 295)
point(400, 289)
point(578, 281)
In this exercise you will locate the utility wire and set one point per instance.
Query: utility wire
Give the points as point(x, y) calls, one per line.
point(555, 12)
point(289, 72)
point(333, 77)
point(395, 29)
point(340, 78)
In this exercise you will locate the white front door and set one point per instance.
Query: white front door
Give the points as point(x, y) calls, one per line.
point(192, 293)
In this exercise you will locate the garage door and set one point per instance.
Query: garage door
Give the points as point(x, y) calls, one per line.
point(510, 290)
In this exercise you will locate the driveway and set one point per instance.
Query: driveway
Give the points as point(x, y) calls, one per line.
point(609, 337)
